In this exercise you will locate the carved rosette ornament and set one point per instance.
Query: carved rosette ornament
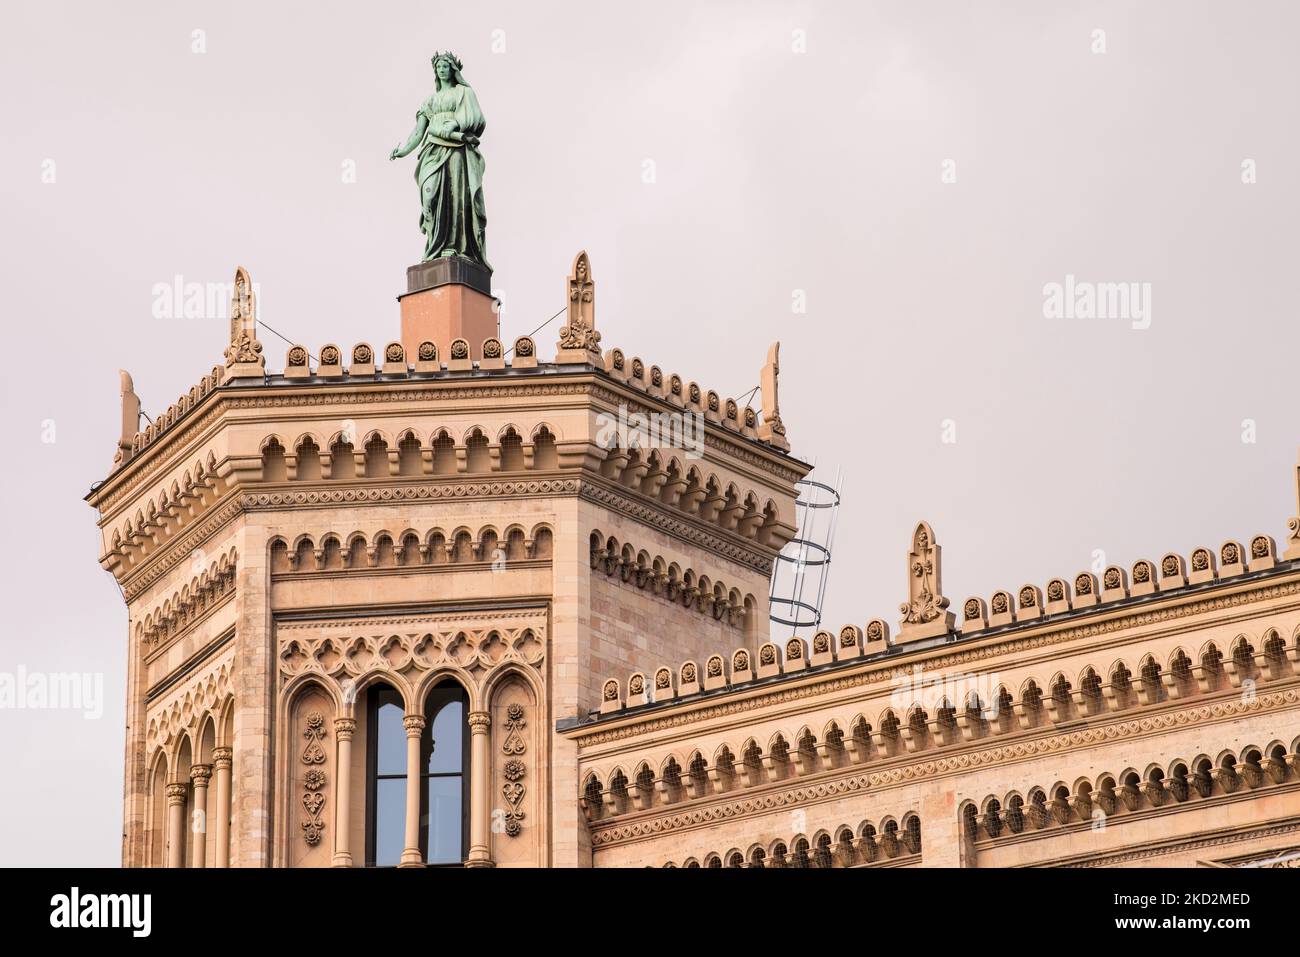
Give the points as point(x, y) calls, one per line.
point(514, 771)
point(314, 780)
point(579, 333)
point(925, 613)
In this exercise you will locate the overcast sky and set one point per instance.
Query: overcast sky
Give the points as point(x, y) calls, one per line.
point(887, 188)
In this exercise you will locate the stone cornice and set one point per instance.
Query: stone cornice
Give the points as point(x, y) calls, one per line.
point(382, 571)
point(1230, 836)
point(159, 563)
point(225, 598)
point(715, 436)
point(679, 526)
point(828, 785)
point(141, 469)
point(1217, 801)
point(851, 675)
point(326, 494)
point(487, 616)
point(280, 394)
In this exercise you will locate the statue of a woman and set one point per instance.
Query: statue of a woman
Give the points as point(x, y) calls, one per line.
point(450, 168)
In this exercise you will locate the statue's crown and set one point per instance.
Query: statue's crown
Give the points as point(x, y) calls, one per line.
point(446, 55)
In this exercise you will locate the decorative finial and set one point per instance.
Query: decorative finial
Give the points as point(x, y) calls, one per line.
point(130, 419)
point(925, 613)
point(579, 340)
point(772, 430)
point(244, 354)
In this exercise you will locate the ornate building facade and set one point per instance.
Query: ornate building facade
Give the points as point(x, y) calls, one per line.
point(444, 603)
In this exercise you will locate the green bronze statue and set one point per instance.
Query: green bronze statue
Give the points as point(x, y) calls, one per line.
point(449, 170)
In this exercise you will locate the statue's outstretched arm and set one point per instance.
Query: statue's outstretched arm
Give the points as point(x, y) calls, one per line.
point(414, 140)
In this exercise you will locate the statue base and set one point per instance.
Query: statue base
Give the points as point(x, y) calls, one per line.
point(447, 299)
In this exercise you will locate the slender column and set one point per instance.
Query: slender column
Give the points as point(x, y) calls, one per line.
point(344, 728)
point(200, 774)
point(222, 759)
point(480, 797)
point(176, 794)
point(414, 725)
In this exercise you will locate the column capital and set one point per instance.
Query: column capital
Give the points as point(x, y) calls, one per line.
point(414, 725)
point(177, 792)
point(344, 728)
point(479, 722)
point(222, 758)
point(199, 774)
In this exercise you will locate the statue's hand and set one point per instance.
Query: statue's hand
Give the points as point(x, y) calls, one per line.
point(397, 151)
point(471, 139)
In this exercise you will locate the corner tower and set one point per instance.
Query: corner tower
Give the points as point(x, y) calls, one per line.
point(459, 537)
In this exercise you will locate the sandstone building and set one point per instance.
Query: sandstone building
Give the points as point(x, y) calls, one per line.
point(420, 605)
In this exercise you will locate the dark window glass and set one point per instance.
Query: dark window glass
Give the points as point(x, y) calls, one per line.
point(386, 794)
point(443, 819)
point(391, 752)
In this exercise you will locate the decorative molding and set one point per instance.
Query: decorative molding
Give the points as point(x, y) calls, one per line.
point(398, 493)
point(193, 603)
point(476, 644)
point(184, 708)
point(683, 591)
point(899, 666)
point(676, 527)
point(314, 780)
point(486, 618)
point(1174, 847)
point(514, 769)
point(907, 769)
point(159, 563)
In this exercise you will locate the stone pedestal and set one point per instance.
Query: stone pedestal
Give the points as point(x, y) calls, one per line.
point(447, 299)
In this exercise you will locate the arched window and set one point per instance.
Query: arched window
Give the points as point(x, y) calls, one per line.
point(444, 816)
point(444, 795)
point(386, 777)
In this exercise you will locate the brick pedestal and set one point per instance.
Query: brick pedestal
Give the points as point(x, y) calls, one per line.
point(447, 299)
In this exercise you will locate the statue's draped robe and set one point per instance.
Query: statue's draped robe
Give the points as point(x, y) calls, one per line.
point(450, 177)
